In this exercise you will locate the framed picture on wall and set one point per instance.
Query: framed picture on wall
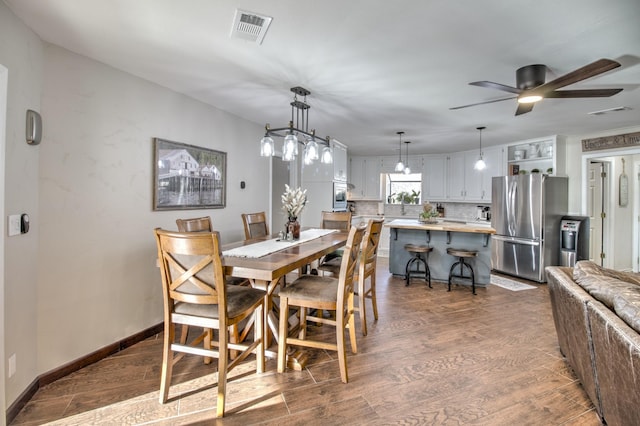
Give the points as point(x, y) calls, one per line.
point(188, 176)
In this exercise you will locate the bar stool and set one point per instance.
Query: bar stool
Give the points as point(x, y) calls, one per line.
point(461, 254)
point(416, 251)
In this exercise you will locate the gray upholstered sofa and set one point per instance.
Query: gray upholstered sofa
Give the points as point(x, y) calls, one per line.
point(597, 317)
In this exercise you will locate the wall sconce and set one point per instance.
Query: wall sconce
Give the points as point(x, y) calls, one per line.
point(33, 127)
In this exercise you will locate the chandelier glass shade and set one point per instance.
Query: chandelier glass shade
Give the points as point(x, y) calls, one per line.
point(480, 164)
point(267, 146)
point(399, 164)
point(298, 134)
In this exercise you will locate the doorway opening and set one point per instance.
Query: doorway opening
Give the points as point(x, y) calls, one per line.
point(613, 210)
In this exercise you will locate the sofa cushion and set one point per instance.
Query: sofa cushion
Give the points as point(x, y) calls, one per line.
point(587, 267)
point(603, 288)
point(626, 304)
point(619, 291)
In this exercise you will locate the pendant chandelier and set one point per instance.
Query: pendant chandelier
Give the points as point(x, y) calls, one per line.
point(297, 135)
point(480, 164)
point(407, 170)
point(400, 165)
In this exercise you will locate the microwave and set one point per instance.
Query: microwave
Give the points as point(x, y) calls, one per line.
point(339, 196)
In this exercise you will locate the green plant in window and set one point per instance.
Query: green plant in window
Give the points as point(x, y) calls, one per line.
point(408, 197)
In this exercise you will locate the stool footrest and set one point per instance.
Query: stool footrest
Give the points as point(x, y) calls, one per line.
point(461, 255)
point(417, 259)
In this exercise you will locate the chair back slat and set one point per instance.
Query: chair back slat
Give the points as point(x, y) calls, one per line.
point(191, 267)
point(197, 224)
point(370, 243)
point(348, 266)
point(255, 225)
point(336, 220)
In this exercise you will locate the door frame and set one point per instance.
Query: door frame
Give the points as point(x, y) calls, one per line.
point(4, 99)
point(635, 190)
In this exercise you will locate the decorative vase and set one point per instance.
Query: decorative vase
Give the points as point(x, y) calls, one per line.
point(293, 227)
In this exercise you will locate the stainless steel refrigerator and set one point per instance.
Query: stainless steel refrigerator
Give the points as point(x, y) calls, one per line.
point(526, 214)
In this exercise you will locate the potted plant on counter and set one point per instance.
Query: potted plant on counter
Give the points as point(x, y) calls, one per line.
point(428, 214)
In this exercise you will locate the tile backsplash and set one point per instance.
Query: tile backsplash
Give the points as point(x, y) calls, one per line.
point(454, 210)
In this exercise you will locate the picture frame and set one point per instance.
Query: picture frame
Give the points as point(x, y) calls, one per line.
point(188, 177)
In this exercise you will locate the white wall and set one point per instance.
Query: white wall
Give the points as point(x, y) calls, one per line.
point(21, 53)
point(97, 252)
point(85, 275)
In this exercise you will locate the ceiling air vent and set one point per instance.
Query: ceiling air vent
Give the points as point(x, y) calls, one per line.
point(250, 26)
point(606, 111)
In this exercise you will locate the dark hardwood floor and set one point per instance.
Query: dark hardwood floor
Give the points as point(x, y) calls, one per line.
point(433, 357)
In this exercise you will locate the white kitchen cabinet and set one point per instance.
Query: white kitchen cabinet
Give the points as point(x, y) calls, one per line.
point(364, 175)
point(465, 183)
point(494, 158)
point(339, 162)
point(456, 190)
point(434, 178)
point(545, 155)
point(388, 164)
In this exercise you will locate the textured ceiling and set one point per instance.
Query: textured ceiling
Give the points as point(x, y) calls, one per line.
point(373, 67)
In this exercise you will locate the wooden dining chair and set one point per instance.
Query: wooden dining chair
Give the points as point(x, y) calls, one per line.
point(197, 224)
point(203, 224)
point(323, 293)
point(195, 293)
point(255, 225)
point(366, 269)
point(334, 220)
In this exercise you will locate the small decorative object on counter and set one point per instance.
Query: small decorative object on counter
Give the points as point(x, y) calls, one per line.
point(535, 170)
point(293, 201)
point(428, 214)
point(440, 209)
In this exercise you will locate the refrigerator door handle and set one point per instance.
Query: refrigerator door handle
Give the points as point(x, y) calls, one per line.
point(516, 240)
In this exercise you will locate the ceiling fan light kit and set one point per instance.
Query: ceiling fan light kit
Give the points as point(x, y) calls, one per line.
point(531, 86)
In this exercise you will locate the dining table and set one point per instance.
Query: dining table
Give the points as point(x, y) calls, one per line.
point(265, 261)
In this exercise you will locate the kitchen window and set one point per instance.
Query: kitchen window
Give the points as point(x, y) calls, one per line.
point(402, 188)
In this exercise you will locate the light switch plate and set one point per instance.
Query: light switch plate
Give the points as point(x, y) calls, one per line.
point(14, 225)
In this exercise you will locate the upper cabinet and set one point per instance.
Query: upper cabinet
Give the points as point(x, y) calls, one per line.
point(364, 177)
point(541, 155)
point(465, 183)
point(434, 178)
point(339, 162)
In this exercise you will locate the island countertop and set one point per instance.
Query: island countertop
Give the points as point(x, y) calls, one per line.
point(442, 225)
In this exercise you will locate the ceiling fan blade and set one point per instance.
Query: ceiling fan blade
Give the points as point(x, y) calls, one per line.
point(595, 68)
point(484, 102)
point(589, 93)
point(498, 86)
point(524, 108)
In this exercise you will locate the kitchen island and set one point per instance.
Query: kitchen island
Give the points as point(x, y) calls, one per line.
point(440, 236)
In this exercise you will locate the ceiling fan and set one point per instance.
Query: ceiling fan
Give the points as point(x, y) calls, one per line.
point(531, 86)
